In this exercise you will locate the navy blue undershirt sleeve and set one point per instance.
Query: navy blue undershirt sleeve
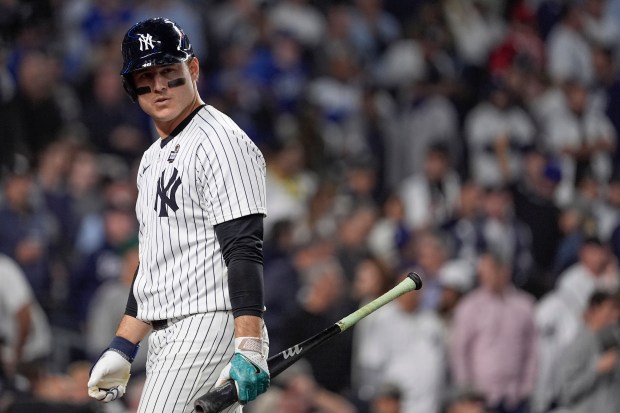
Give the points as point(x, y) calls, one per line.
point(241, 241)
point(132, 306)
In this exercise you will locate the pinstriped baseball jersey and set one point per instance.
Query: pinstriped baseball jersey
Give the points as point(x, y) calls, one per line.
point(207, 173)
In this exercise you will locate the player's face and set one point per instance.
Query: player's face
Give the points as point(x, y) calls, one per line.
point(165, 103)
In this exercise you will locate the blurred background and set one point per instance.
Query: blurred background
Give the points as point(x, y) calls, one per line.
point(471, 141)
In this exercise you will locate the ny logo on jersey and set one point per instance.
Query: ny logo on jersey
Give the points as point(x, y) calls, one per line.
point(146, 42)
point(166, 194)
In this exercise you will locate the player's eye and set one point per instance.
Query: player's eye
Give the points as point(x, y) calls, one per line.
point(167, 71)
point(145, 76)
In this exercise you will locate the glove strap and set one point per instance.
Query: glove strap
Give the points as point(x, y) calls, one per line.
point(249, 344)
point(125, 348)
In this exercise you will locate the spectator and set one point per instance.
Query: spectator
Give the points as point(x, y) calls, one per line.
point(289, 184)
point(494, 337)
point(387, 400)
point(235, 22)
point(594, 271)
point(497, 131)
point(389, 344)
point(320, 220)
point(534, 201)
point(431, 253)
point(320, 304)
point(38, 96)
point(569, 55)
point(430, 197)
point(281, 281)
point(573, 230)
point(582, 137)
point(464, 400)
point(25, 334)
point(590, 371)
point(390, 233)
point(476, 29)
point(558, 317)
point(506, 235)
point(104, 263)
point(301, 18)
point(607, 93)
point(430, 122)
point(599, 28)
point(296, 391)
point(372, 29)
point(372, 278)
point(607, 208)
point(336, 95)
point(351, 240)
point(114, 124)
point(522, 45)
point(185, 14)
point(463, 229)
point(107, 306)
point(279, 73)
point(27, 231)
point(456, 278)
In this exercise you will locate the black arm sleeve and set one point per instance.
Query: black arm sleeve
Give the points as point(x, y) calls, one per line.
point(241, 241)
point(132, 306)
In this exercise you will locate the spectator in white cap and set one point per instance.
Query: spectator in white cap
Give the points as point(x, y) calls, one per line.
point(456, 278)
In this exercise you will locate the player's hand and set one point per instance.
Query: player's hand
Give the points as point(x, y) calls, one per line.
point(109, 377)
point(248, 368)
point(110, 374)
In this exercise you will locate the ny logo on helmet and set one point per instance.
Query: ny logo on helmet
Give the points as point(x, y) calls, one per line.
point(146, 41)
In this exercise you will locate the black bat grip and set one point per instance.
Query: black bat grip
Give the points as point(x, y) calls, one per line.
point(217, 399)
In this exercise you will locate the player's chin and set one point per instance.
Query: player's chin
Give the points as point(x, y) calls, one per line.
point(163, 112)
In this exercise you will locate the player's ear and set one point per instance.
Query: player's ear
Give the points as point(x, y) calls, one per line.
point(194, 68)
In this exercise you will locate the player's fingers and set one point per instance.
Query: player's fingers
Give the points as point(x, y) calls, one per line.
point(106, 395)
point(96, 374)
point(114, 393)
point(248, 392)
point(96, 393)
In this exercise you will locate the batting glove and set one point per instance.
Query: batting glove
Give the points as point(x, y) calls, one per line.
point(248, 368)
point(110, 374)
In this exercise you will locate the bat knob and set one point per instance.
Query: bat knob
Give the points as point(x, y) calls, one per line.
point(416, 279)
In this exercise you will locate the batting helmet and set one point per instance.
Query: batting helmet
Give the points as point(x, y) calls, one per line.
point(152, 42)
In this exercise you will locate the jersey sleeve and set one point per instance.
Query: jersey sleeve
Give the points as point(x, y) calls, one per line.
point(231, 173)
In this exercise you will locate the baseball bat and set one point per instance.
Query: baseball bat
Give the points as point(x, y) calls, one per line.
point(221, 397)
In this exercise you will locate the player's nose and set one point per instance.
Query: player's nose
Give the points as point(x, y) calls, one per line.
point(160, 83)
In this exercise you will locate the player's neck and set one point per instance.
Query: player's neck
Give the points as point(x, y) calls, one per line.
point(164, 129)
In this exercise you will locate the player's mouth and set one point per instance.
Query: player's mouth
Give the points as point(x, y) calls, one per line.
point(162, 99)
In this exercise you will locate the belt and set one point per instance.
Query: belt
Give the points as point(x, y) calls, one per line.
point(159, 324)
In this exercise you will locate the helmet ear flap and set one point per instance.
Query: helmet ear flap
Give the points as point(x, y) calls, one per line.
point(130, 89)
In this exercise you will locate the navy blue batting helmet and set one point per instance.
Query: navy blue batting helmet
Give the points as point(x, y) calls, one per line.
point(153, 42)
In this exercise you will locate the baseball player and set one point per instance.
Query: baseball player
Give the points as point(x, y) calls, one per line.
point(201, 203)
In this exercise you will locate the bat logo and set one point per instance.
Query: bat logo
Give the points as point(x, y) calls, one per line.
point(292, 351)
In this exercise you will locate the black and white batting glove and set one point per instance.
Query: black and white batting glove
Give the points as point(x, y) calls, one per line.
point(110, 374)
point(248, 368)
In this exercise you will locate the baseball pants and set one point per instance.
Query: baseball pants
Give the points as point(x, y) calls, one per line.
point(184, 361)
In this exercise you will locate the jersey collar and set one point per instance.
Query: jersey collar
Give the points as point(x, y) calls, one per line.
point(180, 127)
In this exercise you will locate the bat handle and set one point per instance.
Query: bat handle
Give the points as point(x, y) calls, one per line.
point(217, 399)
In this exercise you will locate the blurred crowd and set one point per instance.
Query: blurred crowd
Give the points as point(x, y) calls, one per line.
point(474, 142)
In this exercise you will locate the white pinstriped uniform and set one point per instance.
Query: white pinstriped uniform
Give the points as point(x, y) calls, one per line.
point(209, 173)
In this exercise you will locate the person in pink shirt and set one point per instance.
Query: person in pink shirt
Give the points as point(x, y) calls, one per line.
point(493, 339)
